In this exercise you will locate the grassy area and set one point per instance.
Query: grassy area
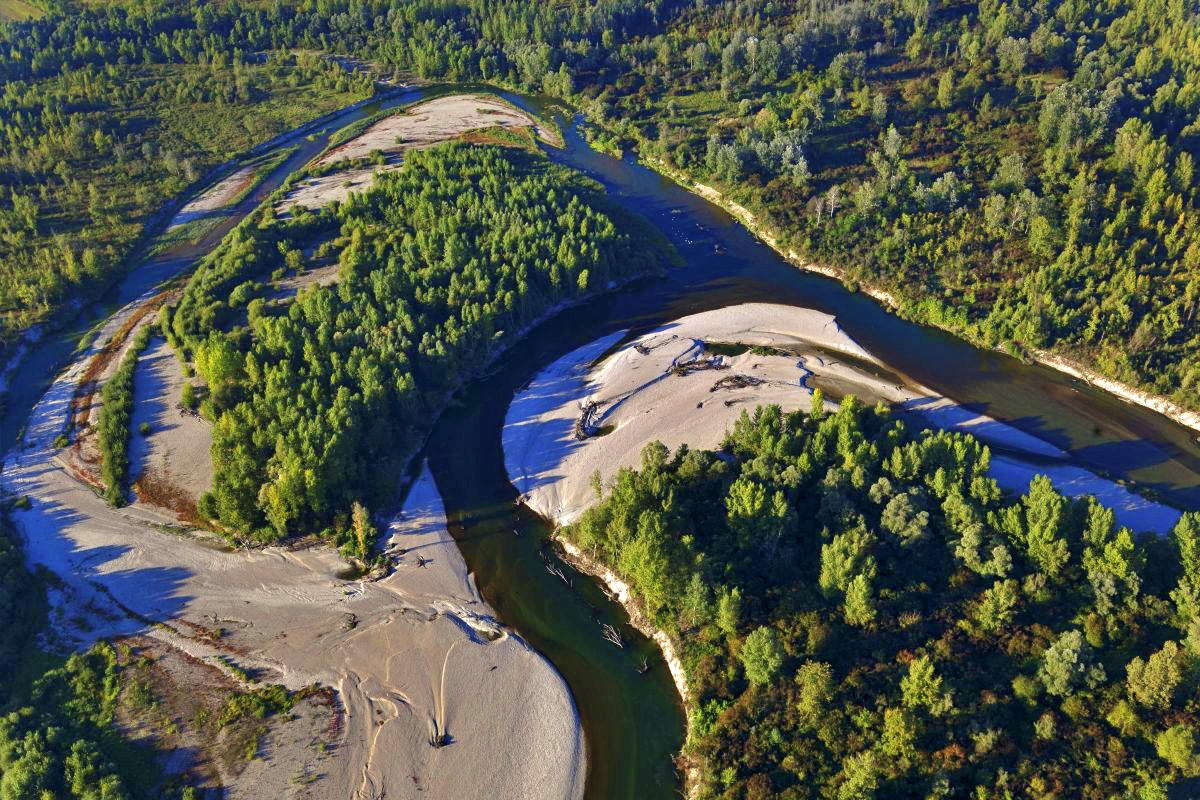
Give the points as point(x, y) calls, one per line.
point(190, 232)
point(18, 10)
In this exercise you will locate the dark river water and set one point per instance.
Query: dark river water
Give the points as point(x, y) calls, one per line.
point(633, 722)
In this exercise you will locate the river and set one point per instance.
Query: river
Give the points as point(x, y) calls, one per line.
point(633, 722)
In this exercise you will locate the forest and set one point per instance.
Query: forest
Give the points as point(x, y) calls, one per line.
point(1022, 174)
point(319, 400)
point(863, 613)
point(1033, 164)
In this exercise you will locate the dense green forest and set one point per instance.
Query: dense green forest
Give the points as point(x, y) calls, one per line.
point(863, 614)
point(318, 401)
point(1021, 173)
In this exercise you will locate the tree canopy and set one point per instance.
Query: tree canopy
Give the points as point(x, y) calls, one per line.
point(318, 401)
point(983, 645)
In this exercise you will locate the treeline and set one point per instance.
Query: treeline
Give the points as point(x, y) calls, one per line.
point(863, 613)
point(112, 427)
point(317, 401)
point(111, 109)
point(1021, 174)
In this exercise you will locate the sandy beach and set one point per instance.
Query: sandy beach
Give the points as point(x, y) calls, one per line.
point(423, 125)
point(651, 389)
point(414, 655)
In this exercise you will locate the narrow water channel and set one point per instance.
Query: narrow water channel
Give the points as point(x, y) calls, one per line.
point(633, 722)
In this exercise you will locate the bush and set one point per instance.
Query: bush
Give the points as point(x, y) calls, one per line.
point(188, 396)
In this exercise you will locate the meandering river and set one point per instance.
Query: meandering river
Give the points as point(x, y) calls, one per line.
point(633, 722)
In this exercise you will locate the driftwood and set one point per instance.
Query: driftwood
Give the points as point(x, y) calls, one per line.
point(558, 571)
point(699, 365)
point(646, 350)
point(738, 381)
point(553, 567)
point(585, 426)
point(184, 411)
point(611, 634)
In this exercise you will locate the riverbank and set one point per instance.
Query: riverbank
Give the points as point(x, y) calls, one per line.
point(1130, 394)
point(620, 590)
point(417, 658)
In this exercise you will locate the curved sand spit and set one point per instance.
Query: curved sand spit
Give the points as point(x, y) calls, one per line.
point(638, 394)
point(414, 652)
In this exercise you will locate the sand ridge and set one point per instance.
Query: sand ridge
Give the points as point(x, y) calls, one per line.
point(215, 198)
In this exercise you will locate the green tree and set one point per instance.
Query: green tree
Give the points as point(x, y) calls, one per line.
point(815, 687)
point(1177, 746)
point(1068, 665)
point(1153, 682)
point(859, 777)
point(696, 600)
point(1186, 535)
point(922, 687)
point(845, 556)
point(997, 607)
point(729, 611)
point(859, 607)
point(762, 656)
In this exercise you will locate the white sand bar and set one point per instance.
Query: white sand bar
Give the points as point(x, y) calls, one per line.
point(214, 198)
point(176, 453)
point(436, 120)
point(411, 653)
point(639, 394)
point(423, 125)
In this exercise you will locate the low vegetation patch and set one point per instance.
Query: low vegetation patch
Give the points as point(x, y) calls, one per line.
point(116, 414)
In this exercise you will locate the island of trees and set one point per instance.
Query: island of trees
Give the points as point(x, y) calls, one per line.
point(863, 613)
point(319, 401)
